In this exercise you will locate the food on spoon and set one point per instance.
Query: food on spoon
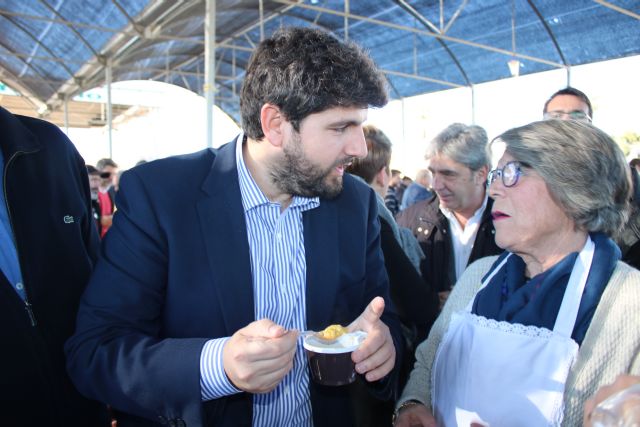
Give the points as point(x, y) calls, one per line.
point(332, 332)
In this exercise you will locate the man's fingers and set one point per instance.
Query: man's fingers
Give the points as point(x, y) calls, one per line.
point(370, 315)
point(262, 376)
point(377, 357)
point(256, 349)
point(263, 328)
point(373, 343)
point(381, 371)
point(257, 357)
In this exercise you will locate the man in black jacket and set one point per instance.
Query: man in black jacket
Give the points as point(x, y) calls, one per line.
point(49, 245)
point(454, 227)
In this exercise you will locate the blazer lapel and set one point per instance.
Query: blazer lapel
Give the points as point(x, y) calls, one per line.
point(224, 232)
point(323, 263)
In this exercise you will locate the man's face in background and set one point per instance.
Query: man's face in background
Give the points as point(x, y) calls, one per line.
point(94, 185)
point(112, 179)
point(567, 107)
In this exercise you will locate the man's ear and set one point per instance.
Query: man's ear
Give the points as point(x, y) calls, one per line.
point(481, 175)
point(272, 121)
point(380, 177)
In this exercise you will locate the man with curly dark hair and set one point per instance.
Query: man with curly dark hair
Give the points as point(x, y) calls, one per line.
point(218, 260)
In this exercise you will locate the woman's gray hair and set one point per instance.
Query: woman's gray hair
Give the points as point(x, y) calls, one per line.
point(464, 144)
point(584, 169)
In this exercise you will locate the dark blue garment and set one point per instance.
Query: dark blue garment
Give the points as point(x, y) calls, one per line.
point(47, 198)
point(510, 297)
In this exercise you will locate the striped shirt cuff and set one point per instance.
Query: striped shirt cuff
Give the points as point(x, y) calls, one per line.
point(214, 382)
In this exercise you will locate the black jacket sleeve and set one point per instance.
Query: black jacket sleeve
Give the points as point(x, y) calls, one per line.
point(415, 300)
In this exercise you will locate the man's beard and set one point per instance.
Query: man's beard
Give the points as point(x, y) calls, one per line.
point(298, 176)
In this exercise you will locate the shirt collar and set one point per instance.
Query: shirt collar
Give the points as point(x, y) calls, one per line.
point(252, 195)
point(448, 213)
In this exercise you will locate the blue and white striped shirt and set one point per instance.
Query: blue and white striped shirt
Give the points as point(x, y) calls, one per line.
point(278, 268)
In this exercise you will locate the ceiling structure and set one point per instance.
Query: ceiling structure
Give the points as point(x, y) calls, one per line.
point(79, 114)
point(52, 50)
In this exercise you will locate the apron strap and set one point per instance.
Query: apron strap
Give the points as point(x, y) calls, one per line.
point(568, 313)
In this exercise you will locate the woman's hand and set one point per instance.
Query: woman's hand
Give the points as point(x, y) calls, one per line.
point(415, 416)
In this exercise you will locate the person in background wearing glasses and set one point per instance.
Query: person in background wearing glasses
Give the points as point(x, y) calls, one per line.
point(526, 337)
point(107, 194)
point(572, 104)
point(568, 104)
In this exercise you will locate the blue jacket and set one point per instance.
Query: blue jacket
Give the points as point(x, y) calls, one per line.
point(47, 194)
point(176, 272)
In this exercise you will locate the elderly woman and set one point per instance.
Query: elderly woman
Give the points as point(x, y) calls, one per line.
point(528, 336)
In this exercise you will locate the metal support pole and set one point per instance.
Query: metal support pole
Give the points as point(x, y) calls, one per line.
point(109, 118)
point(66, 114)
point(210, 65)
point(473, 104)
point(404, 123)
point(346, 20)
point(568, 76)
point(233, 72)
point(261, 13)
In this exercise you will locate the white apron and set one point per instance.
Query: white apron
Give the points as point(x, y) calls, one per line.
point(501, 374)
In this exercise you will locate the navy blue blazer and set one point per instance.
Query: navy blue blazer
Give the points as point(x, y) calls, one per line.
point(175, 272)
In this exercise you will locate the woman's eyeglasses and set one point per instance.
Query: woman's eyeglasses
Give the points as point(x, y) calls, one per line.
point(510, 173)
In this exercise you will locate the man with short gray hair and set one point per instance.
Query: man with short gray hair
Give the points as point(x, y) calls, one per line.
point(454, 227)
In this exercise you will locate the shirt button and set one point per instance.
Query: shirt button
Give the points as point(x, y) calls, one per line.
point(19, 286)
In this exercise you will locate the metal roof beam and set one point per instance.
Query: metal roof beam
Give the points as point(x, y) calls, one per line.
point(35, 70)
point(548, 30)
point(41, 58)
point(225, 43)
point(17, 84)
point(126, 15)
point(404, 5)
point(245, 30)
point(50, 82)
point(618, 9)
point(92, 72)
point(423, 32)
point(5, 13)
point(454, 17)
point(423, 78)
point(37, 42)
point(172, 71)
point(82, 39)
point(419, 16)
